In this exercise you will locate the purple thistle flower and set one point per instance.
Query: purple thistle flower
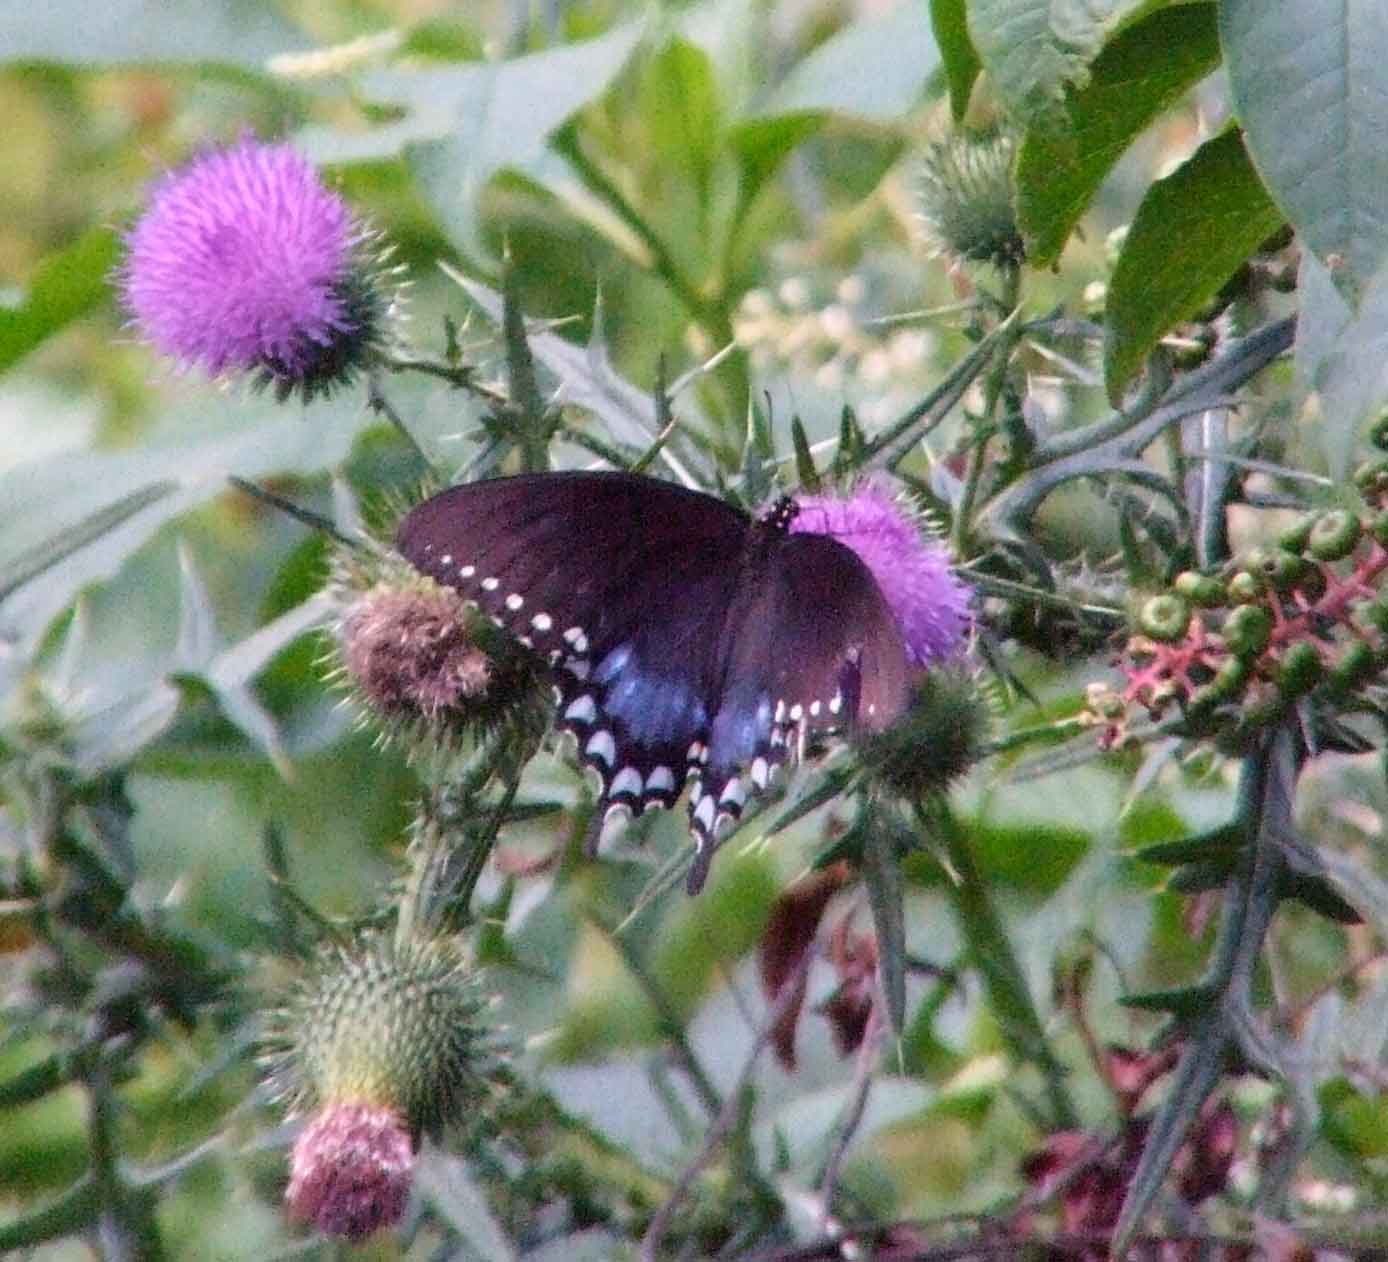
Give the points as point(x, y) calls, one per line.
point(930, 603)
point(351, 1170)
point(245, 261)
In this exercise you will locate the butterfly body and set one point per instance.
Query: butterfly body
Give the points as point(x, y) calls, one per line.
point(690, 642)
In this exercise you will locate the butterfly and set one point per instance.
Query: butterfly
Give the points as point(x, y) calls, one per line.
point(690, 642)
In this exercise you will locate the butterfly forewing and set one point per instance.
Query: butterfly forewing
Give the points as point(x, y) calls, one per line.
point(620, 582)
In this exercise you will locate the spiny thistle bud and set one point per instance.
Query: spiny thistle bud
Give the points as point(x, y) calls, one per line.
point(245, 262)
point(421, 663)
point(380, 1042)
point(941, 736)
point(966, 200)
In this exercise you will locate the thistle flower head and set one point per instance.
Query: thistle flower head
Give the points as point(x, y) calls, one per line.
point(351, 1170)
point(392, 1026)
point(930, 602)
point(244, 261)
point(419, 662)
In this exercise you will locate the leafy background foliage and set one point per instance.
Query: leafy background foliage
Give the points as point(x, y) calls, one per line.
point(663, 183)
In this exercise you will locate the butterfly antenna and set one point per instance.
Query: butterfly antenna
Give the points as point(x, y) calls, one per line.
point(315, 521)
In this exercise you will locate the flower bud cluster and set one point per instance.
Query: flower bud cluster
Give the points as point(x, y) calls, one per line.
point(418, 662)
point(1236, 649)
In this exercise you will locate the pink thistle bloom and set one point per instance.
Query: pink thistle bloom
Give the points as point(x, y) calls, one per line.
point(409, 649)
point(931, 604)
point(245, 261)
point(351, 1170)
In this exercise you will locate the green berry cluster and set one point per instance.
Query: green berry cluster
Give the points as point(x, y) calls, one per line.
point(1237, 648)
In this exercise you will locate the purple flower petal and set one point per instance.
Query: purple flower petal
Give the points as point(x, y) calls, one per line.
point(240, 261)
point(351, 1170)
point(930, 603)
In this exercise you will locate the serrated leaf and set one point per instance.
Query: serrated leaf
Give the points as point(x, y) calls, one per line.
point(1143, 71)
point(588, 379)
point(949, 21)
point(1310, 83)
point(1189, 236)
point(66, 285)
point(243, 33)
point(1032, 49)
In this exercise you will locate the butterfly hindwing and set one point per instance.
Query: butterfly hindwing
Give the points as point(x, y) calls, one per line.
point(813, 646)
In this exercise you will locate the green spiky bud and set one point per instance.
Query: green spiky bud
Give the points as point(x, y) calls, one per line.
point(1335, 535)
point(1244, 588)
point(1165, 617)
point(941, 736)
point(966, 200)
point(1357, 663)
point(1247, 630)
point(1201, 590)
point(1300, 671)
point(393, 1026)
point(1295, 537)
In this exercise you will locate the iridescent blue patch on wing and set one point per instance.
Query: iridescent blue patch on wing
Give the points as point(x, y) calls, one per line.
point(655, 710)
point(741, 727)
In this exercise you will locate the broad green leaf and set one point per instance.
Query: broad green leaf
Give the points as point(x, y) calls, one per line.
point(1033, 49)
point(949, 20)
point(1343, 357)
point(130, 494)
point(463, 124)
point(1188, 238)
point(1310, 83)
point(244, 33)
point(762, 144)
point(875, 70)
point(66, 285)
point(1143, 71)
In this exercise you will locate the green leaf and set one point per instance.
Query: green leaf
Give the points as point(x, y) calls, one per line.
point(1190, 235)
point(874, 70)
point(949, 21)
point(1343, 356)
point(761, 145)
point(882, 877)
point(115, 501)
point(244, 33)
point(1309, 83)
point(1142, 72)
point(680, 101)
point(66, 285)
point(1032, 49)
point(465, 123)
